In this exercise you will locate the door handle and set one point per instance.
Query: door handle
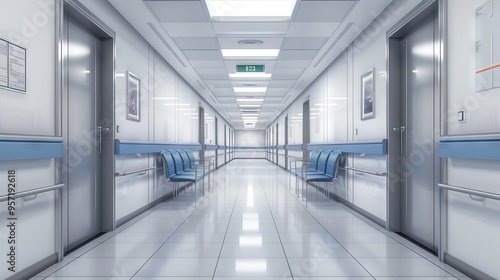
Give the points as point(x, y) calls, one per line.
point(402, 131)
point(101, 129)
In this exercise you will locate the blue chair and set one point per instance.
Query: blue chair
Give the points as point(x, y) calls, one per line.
point(205, 167)
point(174, 171)
point(330, 174)
point(297, 171)
point(190, 165)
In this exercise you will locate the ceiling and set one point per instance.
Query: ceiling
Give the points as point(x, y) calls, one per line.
point(186, 35)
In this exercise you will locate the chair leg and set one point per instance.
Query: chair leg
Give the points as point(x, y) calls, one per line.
point(306, 192)
point(195, 193)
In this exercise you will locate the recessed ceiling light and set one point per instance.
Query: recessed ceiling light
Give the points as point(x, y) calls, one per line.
point(246, 53)
point(250, 75)
point(165, 98)
point(250, 42)
point(249, 105)
point(249, 100)
point(250, 89)
point(249, 114)
point(251, 10)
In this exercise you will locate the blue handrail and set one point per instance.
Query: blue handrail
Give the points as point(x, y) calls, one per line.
point(377, 148)
point(123, 147)
point(31, 148)
point(464, 148)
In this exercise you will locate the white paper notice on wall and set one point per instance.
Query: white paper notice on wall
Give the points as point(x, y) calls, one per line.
point(17, 68)
point(12, 66)
point(4, 46)
point(487, 44)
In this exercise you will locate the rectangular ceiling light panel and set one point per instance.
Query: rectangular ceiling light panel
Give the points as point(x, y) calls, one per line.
point(250, 89)
point(250, 53)
point(251, 10)
point(250, 75)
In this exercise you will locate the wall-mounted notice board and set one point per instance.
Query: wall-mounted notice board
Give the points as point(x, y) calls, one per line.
point(12, 66)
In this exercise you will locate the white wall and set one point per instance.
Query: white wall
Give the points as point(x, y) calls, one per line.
point(335, 98)
point(169, 110)
point(30, 24)
point(468, 219)
point(482, 108)
point(250, 138)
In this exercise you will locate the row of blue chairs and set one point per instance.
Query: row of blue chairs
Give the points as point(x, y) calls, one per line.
point(180, 166)
point(322, 167)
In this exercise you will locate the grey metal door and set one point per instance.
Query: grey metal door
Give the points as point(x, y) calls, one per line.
point(83, 154)
point(418, 57)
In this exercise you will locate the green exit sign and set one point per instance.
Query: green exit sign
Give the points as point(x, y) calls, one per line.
point(250, 68)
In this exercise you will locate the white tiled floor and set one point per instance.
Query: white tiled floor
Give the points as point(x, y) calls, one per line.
point(250, 227)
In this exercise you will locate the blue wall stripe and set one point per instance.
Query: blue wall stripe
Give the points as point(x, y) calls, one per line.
point(127, 148)
point(297, 147)
point(211, 147)
point(26, 149)
point(377, 148)
point(249, 148)
point(470, 149)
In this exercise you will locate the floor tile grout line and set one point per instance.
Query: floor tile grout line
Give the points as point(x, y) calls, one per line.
point(228, 224)
point(142, 266)
point(356, 214)
point(313, 216)
point(277, 231)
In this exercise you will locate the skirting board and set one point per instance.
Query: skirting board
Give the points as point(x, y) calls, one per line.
point(359, 210)
point(35, 268)
point(466, 269)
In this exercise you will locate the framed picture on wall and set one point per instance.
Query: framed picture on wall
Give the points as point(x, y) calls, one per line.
point(368, 95)
point(133, 98)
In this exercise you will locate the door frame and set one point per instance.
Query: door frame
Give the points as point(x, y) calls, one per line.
point(201, 131)
point(107, 99)
point(394, 180)
point(306, 128)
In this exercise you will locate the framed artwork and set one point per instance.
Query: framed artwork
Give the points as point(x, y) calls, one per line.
point(133, 98)
point(368, 95)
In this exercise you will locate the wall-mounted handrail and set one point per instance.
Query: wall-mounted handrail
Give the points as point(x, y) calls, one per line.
point(469, 191)
point(29, 148)
point(136, 171)
point(32, 192)
point(377, 148)
point(364, 171)
point(294, 157)
point(124, 147)
point(484, 148)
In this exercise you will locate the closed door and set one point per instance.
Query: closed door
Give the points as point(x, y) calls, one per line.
point(83, 135)
point(419, 76)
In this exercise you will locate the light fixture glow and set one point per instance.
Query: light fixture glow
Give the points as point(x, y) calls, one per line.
point(251, 265)
point(250, 105)
point(250, 241)
point(249, 89)
point(176, 104)
point(250, 10)
point(249, 99)
point(262, 53)
point(250, 75)
point(243, 114)
point(165, 98)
